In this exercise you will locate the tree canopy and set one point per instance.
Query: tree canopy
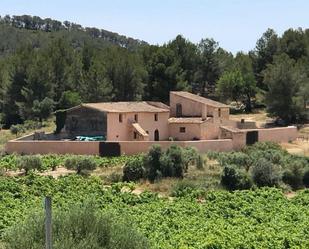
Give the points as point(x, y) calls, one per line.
point(47, 65)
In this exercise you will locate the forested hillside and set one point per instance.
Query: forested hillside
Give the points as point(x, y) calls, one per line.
point(47, 65)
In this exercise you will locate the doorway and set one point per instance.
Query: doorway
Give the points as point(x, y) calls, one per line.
point(156, 135)
point(252, 137)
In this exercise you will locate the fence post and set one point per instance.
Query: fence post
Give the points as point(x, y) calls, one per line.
point(48, 222)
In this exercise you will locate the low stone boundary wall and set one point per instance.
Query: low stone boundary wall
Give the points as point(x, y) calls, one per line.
point(54, 147)
point(282, 134)
point(92, 148)
point(135, 147)
point(238, 141)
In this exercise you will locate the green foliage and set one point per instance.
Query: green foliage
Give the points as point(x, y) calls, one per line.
point(192, 157)
point(80, 163)
point(43, 109)
point(172, 162)
point(29, 163)
point(294, 175)
point(133, 170)
point(306, 178)
point(152, 162)
point(60, 120)
point(17, 129)
point(261, 218)
point(283, 81)
point(234, 178)
point(79, 227)
point(69, 99)
point(267, 164)
point(265, 173)
point(185, 188)
point(51, 161)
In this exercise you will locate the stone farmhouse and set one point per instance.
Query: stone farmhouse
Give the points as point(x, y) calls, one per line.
point(115, 128)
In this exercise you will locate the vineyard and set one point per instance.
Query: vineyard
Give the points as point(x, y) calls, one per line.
point(195, 212)
point(49, 161)
point(262, 218)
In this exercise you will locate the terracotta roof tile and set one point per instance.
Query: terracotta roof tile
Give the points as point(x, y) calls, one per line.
point(200, 99)
point(141, 106)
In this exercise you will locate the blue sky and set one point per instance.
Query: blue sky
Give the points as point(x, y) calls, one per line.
point(235, 24)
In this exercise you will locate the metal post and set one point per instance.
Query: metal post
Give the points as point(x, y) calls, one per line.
point(48, 222)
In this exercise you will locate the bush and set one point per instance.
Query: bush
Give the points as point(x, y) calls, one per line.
point(234, 178)
point(236, 158)
point(200, 162)
point(32, 125)
point(17, 129)
point(190, 156)
point(152, 162)
point(28, 163)
point(79, 228)
point(184, 188)
point(173, 163)
point(306, 178)
point(133, 170)
point(294, 176)
point(80, 163)
point(265, 173)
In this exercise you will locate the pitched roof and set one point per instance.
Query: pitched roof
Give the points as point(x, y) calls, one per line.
point(186, 120)
point(141, 106)
point(200, 99)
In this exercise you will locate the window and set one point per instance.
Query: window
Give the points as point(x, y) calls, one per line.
point(219, 112)
point(120, 118)
point(136, 117)
point(182, 129)
point(135, 135)
point(178, 110)
point(156, 117)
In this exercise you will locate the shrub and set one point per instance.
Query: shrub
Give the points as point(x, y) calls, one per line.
point(152, 162)
point(236, 158)
point(173, 163)
point(133, 170)
point(184, 188)
point(80, 163)
point(265, 173)
point(200, 162)
point(306, 178)
point(79, 228)
point(28, 163)
point(114, 177)
point(294, 176)
point(32, 125)
point(17, 129)
point(234, 178)
point(190, 156)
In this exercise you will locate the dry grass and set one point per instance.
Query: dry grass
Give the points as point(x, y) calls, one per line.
point(6, 135)
point(301, 145)
point(259, 116)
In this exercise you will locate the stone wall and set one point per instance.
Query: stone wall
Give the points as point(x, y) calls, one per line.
point(92, 148)
point(86, 122)
point(238, 141)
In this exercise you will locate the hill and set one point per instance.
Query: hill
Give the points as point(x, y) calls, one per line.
point(18, 30)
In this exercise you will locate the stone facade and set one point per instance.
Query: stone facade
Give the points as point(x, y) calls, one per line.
point(132, 127)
